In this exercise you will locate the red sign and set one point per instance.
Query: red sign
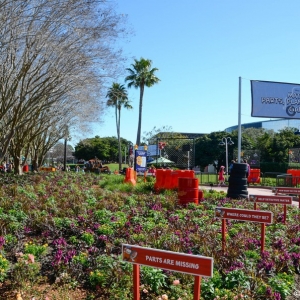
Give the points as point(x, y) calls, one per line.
point(161, 145)
point(244, 214)
point(271, 199)
point(167, 260)
point(286, 190)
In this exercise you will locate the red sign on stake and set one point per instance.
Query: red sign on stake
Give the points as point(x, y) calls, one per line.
point(244, 215)
point(167, 260)
point(286, 190)
point(271, 199)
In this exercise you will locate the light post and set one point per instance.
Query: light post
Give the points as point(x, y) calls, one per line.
point(226, 141)
point(65, 155)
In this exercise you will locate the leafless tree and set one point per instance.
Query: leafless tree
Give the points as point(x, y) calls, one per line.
point(55, 59)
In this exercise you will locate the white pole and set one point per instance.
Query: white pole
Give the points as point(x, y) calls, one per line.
point(226, 145)
point(125, 154)
point(239, 121)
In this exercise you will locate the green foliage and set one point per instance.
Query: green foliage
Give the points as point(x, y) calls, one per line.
point(88, 238)
point(4, 267)
point(35, 249)
point(86, 226)
point(282, 283)
point(25, 272)
point(153, 277)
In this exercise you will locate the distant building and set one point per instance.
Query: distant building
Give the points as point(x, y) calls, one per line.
point(275, 125)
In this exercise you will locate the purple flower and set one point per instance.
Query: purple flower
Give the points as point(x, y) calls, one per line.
point(235, 266)
point(27, 230)
point(284, 257)
point(80, 219)
point(279, 244)
point(138, 228)
point(2, 241)
point(277, 296)
point(266, 265)
point(296, 258)
point(60, 242)
point(103, 237)
point(156, 207)
point(268, 291)
point(96, 226)
point(296, 241)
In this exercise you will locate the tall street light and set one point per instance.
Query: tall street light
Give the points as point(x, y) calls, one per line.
point(226, 141)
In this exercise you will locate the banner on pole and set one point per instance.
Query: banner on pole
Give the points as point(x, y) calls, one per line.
point(275, 99)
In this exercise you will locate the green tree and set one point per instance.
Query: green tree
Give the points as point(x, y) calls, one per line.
point(208, 149)
point(118, 98)
point(140, 75)
point(103, 148)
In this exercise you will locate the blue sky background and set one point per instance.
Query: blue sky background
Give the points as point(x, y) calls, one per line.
point(201, 48)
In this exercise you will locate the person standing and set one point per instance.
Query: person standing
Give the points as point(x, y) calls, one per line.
point(231, 166)
point(247, 170)
point(221, 177)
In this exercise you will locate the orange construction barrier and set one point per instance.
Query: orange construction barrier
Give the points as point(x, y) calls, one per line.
point(254, 176)
point(163, 179)
point(180, 173)
point(295, 176)
point(188, 190)
point(130, 176)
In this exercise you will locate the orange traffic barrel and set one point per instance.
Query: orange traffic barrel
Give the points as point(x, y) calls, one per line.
point(188, 190)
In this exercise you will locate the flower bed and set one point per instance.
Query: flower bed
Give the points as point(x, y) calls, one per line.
point(61, 234)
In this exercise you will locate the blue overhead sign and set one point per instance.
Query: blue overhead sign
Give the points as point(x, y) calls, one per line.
point(275, 99)
point(152, 150)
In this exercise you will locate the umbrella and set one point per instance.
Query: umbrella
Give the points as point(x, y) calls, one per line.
point(161, 160)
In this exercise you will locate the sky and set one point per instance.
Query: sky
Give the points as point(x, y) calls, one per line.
point(201, 48)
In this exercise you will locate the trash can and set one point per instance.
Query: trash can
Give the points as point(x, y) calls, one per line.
point(25, 168)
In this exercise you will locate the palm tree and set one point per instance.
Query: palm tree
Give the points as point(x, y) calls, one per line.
point(141, 75)
point(118, 98)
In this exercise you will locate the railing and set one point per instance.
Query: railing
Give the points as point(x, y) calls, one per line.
point(207, 178)
point(287, 180)
point(267, 179)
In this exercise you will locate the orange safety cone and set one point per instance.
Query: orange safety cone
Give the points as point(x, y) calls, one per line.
point(130, 176)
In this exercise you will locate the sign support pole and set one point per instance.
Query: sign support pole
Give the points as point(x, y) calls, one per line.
point(136, 282)
point(262, 239)
point(223, 234)
point(284, 214)
point(197, 288)
point(239, 121)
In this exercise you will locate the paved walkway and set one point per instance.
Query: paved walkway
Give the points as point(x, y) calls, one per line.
point(251, 191)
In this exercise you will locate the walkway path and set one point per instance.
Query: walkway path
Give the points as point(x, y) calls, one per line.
point(251, 191)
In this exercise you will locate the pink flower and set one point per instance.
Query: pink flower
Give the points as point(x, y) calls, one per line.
point(31, 258)
point(176, 282)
